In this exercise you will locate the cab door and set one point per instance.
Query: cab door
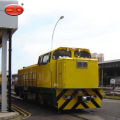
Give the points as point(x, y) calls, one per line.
point(39, 72)
point(46, 73)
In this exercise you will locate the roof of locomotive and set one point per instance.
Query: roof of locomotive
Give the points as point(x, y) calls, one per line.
point(70, 48)
point(28, 67)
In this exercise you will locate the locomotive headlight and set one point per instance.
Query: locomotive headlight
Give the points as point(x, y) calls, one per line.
point(84, 98)
point(93, 96)
point(67, 97)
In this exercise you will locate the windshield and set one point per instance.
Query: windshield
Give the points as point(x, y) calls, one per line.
point(61, 54)
point(83, 54)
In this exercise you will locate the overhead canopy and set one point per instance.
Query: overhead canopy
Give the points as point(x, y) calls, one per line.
point(110, 64)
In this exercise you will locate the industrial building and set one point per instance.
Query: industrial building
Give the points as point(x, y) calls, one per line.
point(109, 70)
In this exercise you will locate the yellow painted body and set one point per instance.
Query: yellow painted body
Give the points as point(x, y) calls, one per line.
point(61, 73)
point(74, 100)
point(64, 74)
point(69, 76)
point(28, 76)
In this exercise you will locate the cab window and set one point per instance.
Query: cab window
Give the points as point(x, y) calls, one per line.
point(61, 54)
point(83, 54)
point(40, 60)
point(46, 58)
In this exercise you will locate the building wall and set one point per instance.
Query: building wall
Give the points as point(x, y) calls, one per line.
point(99, 57)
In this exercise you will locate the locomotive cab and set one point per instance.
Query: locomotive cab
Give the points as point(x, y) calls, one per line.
point(74, 68)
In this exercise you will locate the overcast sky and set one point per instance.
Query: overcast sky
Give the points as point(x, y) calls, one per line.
point(92, 24)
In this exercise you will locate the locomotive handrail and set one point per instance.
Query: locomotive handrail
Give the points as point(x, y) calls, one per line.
point(51, 77)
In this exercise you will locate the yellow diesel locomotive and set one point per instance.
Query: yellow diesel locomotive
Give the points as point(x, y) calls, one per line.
point(66, 78)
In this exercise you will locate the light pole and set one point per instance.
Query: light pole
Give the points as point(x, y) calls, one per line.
point(54, 31)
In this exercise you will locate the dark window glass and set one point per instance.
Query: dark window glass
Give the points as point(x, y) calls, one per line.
point(46, 58)
point(61, 54)
point(82, 64)
point(83, 54)
point(40, 61)
point(79, 64)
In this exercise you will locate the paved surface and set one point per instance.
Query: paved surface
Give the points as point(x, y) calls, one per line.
point(30, 111)
point(110, 111)
point(9, 115)
point(110, 108)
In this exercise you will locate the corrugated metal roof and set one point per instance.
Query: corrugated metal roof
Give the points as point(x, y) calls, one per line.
point(110, 64)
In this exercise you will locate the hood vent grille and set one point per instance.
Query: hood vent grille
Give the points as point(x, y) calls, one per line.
point(82, 64)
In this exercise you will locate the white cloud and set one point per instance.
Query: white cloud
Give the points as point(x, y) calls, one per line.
point(88, 24)
point(89, 9)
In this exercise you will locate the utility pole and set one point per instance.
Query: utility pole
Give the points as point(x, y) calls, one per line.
point(9, 78)
point(4, 70)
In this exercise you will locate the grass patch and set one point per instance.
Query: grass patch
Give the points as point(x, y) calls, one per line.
point(113, 97)
point(110, 97)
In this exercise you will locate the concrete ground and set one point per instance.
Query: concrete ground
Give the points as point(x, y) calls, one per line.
point(106, 106)
point(8, 115)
